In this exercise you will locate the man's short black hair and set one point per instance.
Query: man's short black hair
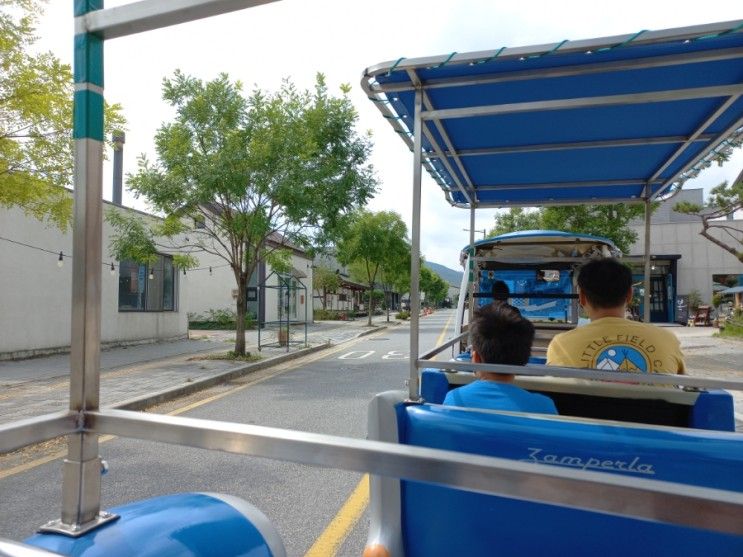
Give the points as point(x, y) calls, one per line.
point(500, 291)
point(501, 335)
point(605, 282)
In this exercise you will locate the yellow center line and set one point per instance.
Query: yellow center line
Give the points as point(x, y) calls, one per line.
point(440, 340)
point(331, 539)
point(343, 522)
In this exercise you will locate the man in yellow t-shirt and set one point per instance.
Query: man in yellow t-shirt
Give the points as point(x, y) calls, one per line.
point(611, 342)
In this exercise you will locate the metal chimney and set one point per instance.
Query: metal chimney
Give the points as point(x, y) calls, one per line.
point(118, 139)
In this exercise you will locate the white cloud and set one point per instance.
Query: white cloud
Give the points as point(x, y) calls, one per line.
point(296, 38)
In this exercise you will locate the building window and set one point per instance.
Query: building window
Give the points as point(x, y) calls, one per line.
point(147, 287)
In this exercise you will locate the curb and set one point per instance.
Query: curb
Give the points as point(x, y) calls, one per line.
point(142, 402)
point(158, 397)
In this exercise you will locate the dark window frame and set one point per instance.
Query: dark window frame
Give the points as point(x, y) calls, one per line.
point(145, 303)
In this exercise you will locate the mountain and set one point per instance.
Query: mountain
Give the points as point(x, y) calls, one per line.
point(449, 275)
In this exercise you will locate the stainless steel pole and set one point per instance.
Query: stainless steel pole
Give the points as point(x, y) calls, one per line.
point(81, 477)
point(415, 299)
point(646, 281)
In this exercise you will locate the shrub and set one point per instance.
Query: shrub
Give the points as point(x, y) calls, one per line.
point(333, 315)
point(218, 319)
point(403, 315)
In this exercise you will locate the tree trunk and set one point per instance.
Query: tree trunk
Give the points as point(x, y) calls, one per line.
point(369, 308)
point(705, 232)
point(387, 303)
point(240, 311)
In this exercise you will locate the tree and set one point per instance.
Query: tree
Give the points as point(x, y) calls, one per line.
point(516, 219)
point(243, 178)
point(609, 221)
point(36, 92)
point(723, 200)
point(325, 281)
point(395, 275)
point(433, 285)
point(371, 241)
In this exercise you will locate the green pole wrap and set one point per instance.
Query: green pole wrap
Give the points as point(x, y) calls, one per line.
point(82, 7)
point(88, 59)
point(87, 120)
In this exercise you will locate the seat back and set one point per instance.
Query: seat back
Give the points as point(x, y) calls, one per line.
point(443, 521)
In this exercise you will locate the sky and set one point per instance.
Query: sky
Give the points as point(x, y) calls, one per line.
point(297, 38)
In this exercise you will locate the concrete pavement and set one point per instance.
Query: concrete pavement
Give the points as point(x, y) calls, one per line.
point(147, 373)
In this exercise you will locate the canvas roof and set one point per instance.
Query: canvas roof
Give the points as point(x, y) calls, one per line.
point(614, 119)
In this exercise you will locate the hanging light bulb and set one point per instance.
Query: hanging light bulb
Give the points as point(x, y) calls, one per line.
point(60, 261)
point(152, 275)
point(210, 271)
point(184, 271)
point(113, 269)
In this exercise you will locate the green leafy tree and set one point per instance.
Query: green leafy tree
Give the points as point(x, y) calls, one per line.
point(395, 274)
point(243, 178)
point(36, 119)
point(723, 200)
point(516, 219)
point(325, 281)
point(369, 243)
point(433, 285)
point(609, 221)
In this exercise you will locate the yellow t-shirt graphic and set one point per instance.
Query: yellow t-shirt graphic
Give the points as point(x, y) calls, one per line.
point(617, 344)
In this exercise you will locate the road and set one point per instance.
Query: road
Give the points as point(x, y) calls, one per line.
point(323, 393)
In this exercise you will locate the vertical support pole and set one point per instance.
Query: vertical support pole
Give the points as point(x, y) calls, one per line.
point(415, 259)
point(81, 477)
point(471, 273)
point(646, 281)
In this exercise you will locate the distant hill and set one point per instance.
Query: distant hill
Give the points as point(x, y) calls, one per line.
point(449, 275)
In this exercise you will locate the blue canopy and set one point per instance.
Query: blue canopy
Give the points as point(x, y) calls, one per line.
point(615, 119)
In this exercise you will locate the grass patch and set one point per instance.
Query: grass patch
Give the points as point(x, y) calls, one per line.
point(732, 329)
point(231, 356)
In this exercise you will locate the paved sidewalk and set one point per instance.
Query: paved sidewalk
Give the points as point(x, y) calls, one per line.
point(41, 385)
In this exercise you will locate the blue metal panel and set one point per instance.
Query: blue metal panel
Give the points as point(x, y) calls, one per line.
point(713, 410)
point(183, 525)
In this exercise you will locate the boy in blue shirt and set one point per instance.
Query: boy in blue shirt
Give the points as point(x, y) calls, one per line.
point(500, 335)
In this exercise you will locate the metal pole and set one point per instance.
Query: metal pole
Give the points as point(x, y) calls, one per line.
point(471, 272)
point(415, 298)
point(81, 477)
point(646, 281)
point(118, 139)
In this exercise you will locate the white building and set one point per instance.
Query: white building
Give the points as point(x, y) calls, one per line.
point(683, 260)
point(139, 303)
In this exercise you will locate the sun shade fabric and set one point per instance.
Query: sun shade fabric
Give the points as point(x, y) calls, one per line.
point(603, 120)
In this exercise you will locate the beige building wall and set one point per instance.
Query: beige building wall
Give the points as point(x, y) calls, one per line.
point(700, 258)
point(36, 295)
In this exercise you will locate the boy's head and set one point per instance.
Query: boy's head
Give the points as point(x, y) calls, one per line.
point(500, 335)
point(605, 283)
point(500, 291)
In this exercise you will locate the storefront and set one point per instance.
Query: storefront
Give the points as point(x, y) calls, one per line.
point(663, 287)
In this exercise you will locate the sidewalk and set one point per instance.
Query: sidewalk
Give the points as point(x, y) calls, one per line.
point(41, 385)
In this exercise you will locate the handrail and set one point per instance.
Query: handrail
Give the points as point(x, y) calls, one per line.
point(596, 374)
point(22, 433)
point(674, 503)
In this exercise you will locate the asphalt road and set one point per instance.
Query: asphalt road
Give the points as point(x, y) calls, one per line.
point(328, 395)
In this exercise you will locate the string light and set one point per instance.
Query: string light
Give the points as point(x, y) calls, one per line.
point(152, 275)
point(210, 271)
point(113, 269)
point(184, 271)
point(60, 261)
